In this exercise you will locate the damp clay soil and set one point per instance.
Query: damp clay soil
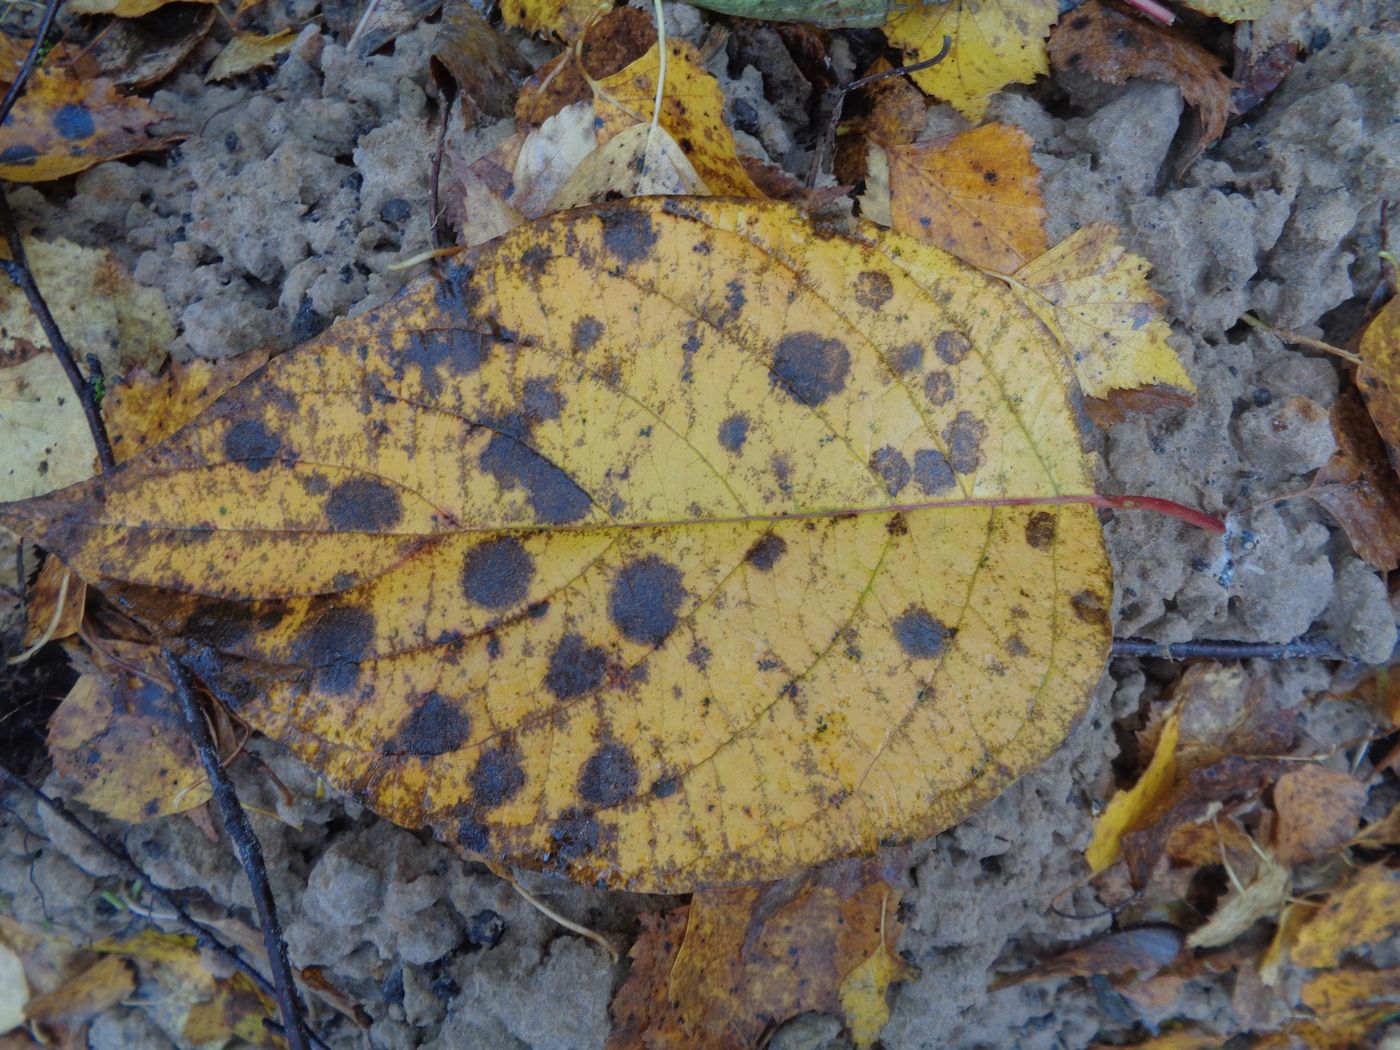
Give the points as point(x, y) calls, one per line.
point(293, 192)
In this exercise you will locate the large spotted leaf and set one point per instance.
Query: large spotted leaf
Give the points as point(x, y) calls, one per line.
point(665, 543)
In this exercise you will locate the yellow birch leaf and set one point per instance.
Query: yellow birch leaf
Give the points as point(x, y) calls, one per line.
point(247, 52)
point(692, 111)
point(1291, 919)
point(661, 544)
point(62, 125)
point(1364, 912)
point(994, 43)
point(1350, 1003)
point(1094, 294)
point(564, 18)
point(864, 989)
point(1126, 809)
point(976, 195)
point(121, 8)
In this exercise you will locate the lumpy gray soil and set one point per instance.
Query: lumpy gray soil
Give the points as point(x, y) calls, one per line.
point(282, 211)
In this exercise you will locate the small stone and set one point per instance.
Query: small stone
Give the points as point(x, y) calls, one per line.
point(343, 891)
point(485, 929)
point(395, 210)
point(1292, 436)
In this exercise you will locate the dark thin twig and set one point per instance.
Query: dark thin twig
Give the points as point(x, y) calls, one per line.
point(827, 144)
point(204, 938)
point(246, 846)
point(1305, 648)
point(31, 60)
point(16, 267)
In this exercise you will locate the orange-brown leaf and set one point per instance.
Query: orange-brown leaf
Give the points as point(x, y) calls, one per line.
point(1357, 488)
point(1364, 912)
point(1318, 810)
point(1132, 951)
point(976, 195)
point(1115, 47)
point(618, 39)
point(53, 608)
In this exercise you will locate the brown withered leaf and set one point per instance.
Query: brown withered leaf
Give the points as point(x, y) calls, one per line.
point(62, 125)
point(1142, 951)
point(138, 53)
point(1115, 47)
point(63, 1014)
point(1318, 810)
point(54, 605)
point(1356, 487)
point(1379, 378)
point(753, 956)
point(1120, 405)
point(469, 57)
point(618, 39)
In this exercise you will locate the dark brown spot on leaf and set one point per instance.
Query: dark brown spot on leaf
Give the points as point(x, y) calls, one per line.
point(919, 634)
point(73, 122)
point(587, 332)
point(893, 469)
point(932, 473)
point(938, 387)
point(873, 289)
point(554, 497)
point(908, 358)
point(498, 776)
point(644, 599)
point(810, 367)
point(434, 727)
point(363, 505)
point(249, 441)
point(952, 347)
point(334, 644)
point(541, 399)
point(496, 574)
point(964, 436)
point(575, 836)
point(1040, 530)
point(1089, 608)
point(609, 778)
point(575, 668)
point(764, 554)
point(666, 787)
point(628, 234)
point(733, 432)
point(434, 351)
point(472, 835)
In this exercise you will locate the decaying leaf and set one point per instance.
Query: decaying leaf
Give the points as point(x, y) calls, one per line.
point(831, 14)
point(976, 195)
point(618, 39)
point(1142, 951)
point(1115, 47)
point(1263, 897)
point(470, 57)
point(994, 43)
point(754, 956)
point(1351, 1003)
point(565, 18)
point(62, 125)
point(64, 1013)
point(1128, 809)
point(54, 605)
point(1357, 488)
point(639, 161)
point(1364, 912)
point(1230, 10)
point(1292, 918)
point(1318, 810)
point(1379, 378)
point(137, 54)
point(692, 111)
point(1094, 294)
point(247, 52)
point(689, 571)
point(385, 21)
point(122, 8)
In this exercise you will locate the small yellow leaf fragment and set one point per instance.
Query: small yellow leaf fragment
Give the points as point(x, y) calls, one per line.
point(864, 989)
point(1291, 920)
point(1094, 293)
point(246, 52)
point(1364, 912)
point(1126, 809)
point(994, 43)
point(976, 195)
point(1263, 897)
point(692, 111)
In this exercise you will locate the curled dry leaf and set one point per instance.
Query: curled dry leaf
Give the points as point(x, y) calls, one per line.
point(381, 24)
point(247, 52)
point(137, 54)
point(976, 195)
point(1318, 811)
point(62, 125)
point(1114, 47)
point(618, 39)
point(994, 43)
point(1358, 488)
point(1142, 951)
point(1379, 378)
point(689, 571)
point(1364, 912)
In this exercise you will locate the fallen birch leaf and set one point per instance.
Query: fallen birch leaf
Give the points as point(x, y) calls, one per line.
point(1142, 951)
point(618, 39)
point(548, 156)
point(1357, 487)
point(1318, 811)
point(1351, 1003)
point(1364, 912)
point(62, 125)
point(471, 57)
point(1294, 916)
point(247, 52)
point(1243, 907)
point(976, 195)
point(994, 43)
point(692, 111)
point(1127, 810)
point(378, 26)
point(1094, 293)
point(639, 161)
point(689, 571)
point(865, 990)
point(65, 1012)
point(137, 54)
point(1115, 47)
point(1378, 378)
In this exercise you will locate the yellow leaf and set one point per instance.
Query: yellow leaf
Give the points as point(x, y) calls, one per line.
point(1291, 919)
point(1350, 1003)
point(563, 17)
point(1366, 911)
point(1231, 10)
point(1126, 809)
point(1094, 293)
point(62, 125)
point(248, 51)
point(692, 111)
point(121, 8)
point(1378, 378)
point(863, 992)
point(1243, 907)
point(976, 195)
point(664, 543)
point(994, 43)
point(639, 161)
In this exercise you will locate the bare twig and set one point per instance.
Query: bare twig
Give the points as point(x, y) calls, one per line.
point(248, 850)
point(1306, 648)
point(1300, 340)
point(204, 938)
point(31, 60)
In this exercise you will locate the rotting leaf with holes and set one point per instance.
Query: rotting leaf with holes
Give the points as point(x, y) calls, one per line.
point(661, 544)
